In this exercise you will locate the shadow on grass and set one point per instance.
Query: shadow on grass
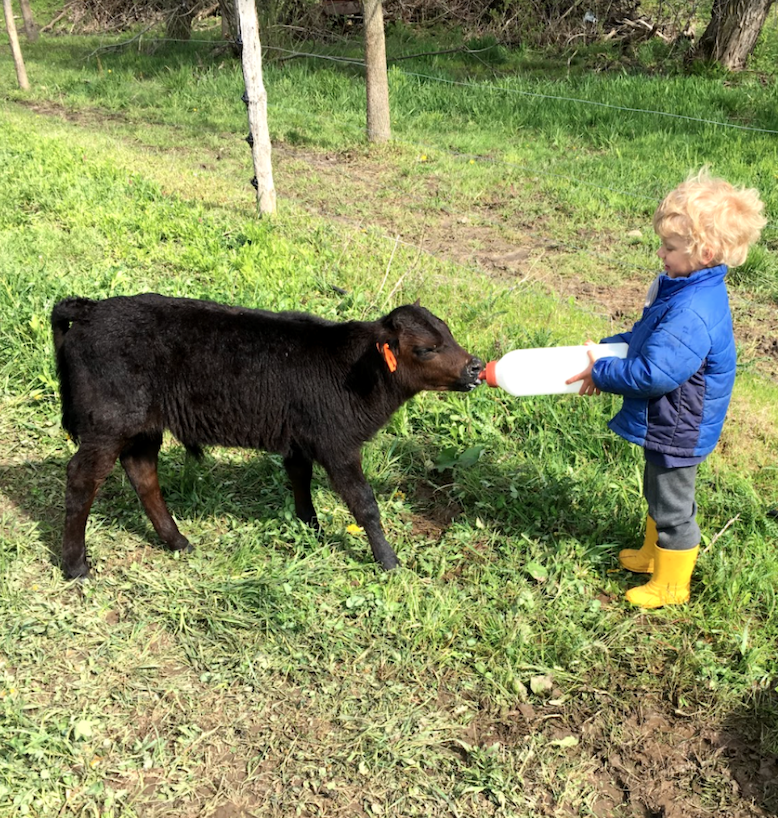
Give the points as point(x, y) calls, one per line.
point(523, 501)
point(253, 489)
point(36, 488)
point(524, 498)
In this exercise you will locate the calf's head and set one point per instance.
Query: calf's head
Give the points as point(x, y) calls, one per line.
point(423, 354)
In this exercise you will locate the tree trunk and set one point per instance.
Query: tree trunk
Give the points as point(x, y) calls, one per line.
point(256, 102)
point(229, 20)
point(10, 25)
point(732, 32)
point(30, 29)
point(378, 120)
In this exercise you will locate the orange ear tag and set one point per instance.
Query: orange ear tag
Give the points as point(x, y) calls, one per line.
point(388, 356)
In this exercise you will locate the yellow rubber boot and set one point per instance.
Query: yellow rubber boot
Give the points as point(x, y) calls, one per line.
point(670, 582)
point(641, 560)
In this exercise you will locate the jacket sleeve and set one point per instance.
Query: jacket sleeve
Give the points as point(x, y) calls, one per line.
point(670, 355)
point(617, 339)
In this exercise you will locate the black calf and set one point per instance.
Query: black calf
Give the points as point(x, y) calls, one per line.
point(310, 389)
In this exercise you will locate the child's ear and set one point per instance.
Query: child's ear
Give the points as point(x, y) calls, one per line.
point(706, 255)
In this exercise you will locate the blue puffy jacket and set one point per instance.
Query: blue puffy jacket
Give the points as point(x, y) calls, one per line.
point(679, 371)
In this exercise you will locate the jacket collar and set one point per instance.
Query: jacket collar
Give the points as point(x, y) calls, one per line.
point(709, 275)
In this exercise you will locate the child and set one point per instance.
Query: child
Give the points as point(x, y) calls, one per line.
point(679, 372)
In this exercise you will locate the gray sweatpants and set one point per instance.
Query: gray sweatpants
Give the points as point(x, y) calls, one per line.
point(670, 497)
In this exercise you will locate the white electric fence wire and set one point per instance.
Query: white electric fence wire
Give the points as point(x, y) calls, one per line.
point(598, 104)
point(518, 91)
point(490, 88)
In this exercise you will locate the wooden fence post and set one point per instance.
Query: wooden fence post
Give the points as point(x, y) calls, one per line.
point(256, 103)
point(10, 25)
point(376, 79)
point(30, 29)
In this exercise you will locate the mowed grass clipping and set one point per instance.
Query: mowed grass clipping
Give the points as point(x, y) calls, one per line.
point(275, 672)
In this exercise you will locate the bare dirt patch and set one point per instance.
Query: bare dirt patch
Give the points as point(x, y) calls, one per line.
point(636, 757)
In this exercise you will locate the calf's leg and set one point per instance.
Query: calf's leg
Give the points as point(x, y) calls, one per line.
point(349, 481)
point(140, 462)
point(300, 471)
point(86, 471)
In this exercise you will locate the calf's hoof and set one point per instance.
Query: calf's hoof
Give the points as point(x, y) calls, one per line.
point(77, 572)
point(180, 543)
point(390, 563)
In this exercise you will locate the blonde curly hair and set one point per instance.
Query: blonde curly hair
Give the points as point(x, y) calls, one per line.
point(711, 214)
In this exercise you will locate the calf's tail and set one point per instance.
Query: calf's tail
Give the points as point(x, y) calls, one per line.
point(64, 314)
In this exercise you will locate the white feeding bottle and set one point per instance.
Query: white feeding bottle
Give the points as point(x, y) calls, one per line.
point(544, 370)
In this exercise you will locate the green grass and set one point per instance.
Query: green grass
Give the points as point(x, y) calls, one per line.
point(527, 126)
point(280, 673)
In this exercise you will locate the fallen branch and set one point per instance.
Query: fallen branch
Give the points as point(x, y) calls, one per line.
point(119, 46)
point(56, 19)
point(207, 12)
point(718, 534)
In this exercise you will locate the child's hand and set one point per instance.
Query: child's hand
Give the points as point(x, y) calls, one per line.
point(587, 385)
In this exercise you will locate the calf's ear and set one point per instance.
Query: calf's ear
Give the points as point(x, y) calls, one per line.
point(388, 354)
point(390, 340)
point(389, 327)
point(388, 344)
